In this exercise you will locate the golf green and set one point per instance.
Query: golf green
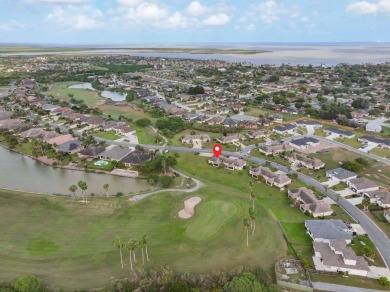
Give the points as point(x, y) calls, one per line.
point(210, 217)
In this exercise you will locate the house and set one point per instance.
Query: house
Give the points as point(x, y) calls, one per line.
point(257, 134)
point(38, 133)
point(308, 203)
point(49, 107)
point(362, 185)
point(264, 122)
point(135, 158)
point(335, 256)
point(383, 200)
point(278, 179)
point(285, 129)
point(291, 110)
point(382, 195)
point(366, 139)
point(386, 213)
point(304, 143)
point(189, 139)
point(340, 175)
point(114, 153)
point(231, 138)
point(373, 127)
point(124, 130)
point(304, 123)
point(231, 163)
point(223, 111)
point(71, 147)
point(92, 151)
point(229, 122)
point(215, 120)
point(276, 118)
point(248, 124)
point(275, 149)
point(339, 133)
point(190, 117)
point(324, 230)
point(58, 140)
point(303, 160)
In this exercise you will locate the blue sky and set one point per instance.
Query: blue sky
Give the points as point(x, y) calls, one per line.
point(179, 21)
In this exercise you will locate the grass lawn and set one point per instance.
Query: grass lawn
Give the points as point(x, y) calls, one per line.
point(61, 90)
point(107, 167)
point(353, 142)
point(355, 281)
point(385, 131)
point(145, 135)
point(319, 132)
point(381, 152)
point(359, 250)
point(296, 232)
point(70, 245)
point(109, 135)
point(380, 220)
point(127, 111)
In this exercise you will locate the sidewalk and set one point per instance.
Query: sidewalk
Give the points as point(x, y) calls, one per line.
point(340, 288)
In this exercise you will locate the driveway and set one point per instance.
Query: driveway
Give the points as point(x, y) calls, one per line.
point(355, 201)
point(332, 136)
point(369, 146)
point(310, 130)
point(345, 192)
point(340, 288)
point(197, 145)
point(358, 228)
point(376, 272)
point(330, 183)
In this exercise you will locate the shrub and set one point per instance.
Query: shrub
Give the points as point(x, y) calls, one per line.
point(119, 194)
point(28, 283)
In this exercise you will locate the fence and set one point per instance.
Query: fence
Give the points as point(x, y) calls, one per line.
point(294, 286)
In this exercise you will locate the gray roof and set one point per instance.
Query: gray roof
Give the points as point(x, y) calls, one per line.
point(304, 141)
point(341, 173)
point(242, 118)
point(307, 123)
point(340, 132)
point(328, 229)
point(70, 146)
point(285, 128)
point(115, 153)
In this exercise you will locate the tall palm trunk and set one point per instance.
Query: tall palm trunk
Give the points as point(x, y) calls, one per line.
point(143, 258)
point(120, 252)
point(146, 250)
point(253, 204)
point(131, 262)
point(247, 237)
point(134, 256)
point(254, 227)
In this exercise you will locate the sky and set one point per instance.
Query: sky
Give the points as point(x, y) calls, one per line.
point(203, 21)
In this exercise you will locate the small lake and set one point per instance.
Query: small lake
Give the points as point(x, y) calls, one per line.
point(115, 96)
point(23, 173)
point(85, 85)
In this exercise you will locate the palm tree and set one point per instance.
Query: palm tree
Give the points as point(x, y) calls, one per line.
point(246, 226)
point(105, 187)
point(83, 187)
point(366, 203)
point(252, 215)
point(253, 199)
point(145, 239)
point(131, 246)
point(141, 244)
point(164, 165)
point(119, 245)
point(337, 196)
point(73, 189)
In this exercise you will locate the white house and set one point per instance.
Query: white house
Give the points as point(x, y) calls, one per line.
point(340, 175)
point(335, 256)
point(285, 129)
point(386, 213)
point(362, 185)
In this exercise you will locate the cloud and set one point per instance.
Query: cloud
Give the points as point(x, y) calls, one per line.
point(146, 12)
point(269, 12)
point(11, 25)
point(196, 9)
point(130, 2)
point(364, 7)
point(59, 1)
point(217, 19)
point(76, 18)
point(176, 20)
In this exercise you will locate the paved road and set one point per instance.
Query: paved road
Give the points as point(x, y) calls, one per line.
point(9, 90)
point(197, 186)
point(340, 288)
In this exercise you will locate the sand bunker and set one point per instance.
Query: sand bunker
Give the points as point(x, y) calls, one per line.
point(189, 207)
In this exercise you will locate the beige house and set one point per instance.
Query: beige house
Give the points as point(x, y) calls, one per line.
point(309, 203)
point(275, 149)
point(189, 139)
point(231, 138)
point(278, 179)
point(231, 163)
point(302, 159)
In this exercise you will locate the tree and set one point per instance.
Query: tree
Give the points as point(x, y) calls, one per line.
point(196, 90)
point(164, 165)
point(145, 239)
point(131, 245)
point(28, 283)
point(73, 189)
point(366, 203)
point(246, 282)
point(119, 245)
point(246, 226)
point(252, 215)
point(253, 197)
point(166, 181)
point(105, 187)
point(141, 244)
point(143, 122)
point(83, 187)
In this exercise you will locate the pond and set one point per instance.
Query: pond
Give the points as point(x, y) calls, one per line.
point(19, 172)
point(115, 96)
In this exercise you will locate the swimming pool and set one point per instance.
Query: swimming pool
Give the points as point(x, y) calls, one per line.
point(100, 163)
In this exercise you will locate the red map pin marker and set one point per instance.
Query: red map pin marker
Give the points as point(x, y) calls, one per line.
point(217, 149)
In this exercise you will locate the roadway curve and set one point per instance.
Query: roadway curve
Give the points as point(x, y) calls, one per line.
point(378, 237)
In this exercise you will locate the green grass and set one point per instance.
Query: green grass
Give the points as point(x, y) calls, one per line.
point(385, 131)
point(145, 135)
point(61, 90)
point(109, 135)
point(381, 152)
point(210, 219)
point(359, 250)
point(70, 245)
point(354, 281)
point(296, 232)
point(127, 111)
point(107, 167)
point(319, 132)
